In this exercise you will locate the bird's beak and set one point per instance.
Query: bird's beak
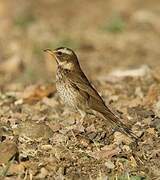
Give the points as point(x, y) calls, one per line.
point(52, 53)
point(49, 51)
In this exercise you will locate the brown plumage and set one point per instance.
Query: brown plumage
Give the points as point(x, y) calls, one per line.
point(76, 91)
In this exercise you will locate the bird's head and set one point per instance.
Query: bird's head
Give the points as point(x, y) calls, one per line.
point(65, 57)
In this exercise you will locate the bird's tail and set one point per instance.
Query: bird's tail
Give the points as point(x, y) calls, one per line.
point(116, 121)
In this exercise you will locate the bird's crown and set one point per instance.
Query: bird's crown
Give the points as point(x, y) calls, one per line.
point(64, 50)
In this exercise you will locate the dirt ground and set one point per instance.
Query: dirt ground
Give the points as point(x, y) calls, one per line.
point(117, 43)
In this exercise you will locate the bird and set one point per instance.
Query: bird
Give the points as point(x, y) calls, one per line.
point(76, 91)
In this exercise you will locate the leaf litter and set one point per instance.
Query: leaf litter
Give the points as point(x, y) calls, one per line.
point(68, 144)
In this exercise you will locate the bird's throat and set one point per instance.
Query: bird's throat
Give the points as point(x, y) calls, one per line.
point(66, 65)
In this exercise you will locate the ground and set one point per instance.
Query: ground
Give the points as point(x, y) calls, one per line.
point(118, 47)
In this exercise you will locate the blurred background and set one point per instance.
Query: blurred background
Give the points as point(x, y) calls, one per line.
point(106, 34)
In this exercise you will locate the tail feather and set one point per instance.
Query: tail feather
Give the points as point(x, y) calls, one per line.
point(109, 115)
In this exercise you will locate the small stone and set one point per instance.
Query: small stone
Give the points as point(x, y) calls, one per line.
point(33, 130)
point(151, 130)
point(46, 147)
point(109, 164)
point(43, 173)
point(84, 142)
point(19, 102)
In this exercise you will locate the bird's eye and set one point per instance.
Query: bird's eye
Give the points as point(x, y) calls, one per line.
point(59, 53)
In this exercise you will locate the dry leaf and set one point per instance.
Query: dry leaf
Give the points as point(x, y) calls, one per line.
point(54, 126)
point(156, 74)
point(106, 152)
point(91, 128)
point(7, 151)
point(151, 96)
point(50, 102)
point(16, 169)
point(36, 93)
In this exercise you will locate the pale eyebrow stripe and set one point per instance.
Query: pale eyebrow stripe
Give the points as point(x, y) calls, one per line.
point(66, 51)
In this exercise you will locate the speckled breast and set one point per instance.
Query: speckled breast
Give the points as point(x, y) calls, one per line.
point(65, 90)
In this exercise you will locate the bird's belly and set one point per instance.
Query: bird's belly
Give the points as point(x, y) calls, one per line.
point(67, 93)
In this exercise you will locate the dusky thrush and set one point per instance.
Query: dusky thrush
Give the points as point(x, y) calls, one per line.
point(76, 91)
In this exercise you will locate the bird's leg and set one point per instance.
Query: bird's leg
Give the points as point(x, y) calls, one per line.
point(83, 115)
